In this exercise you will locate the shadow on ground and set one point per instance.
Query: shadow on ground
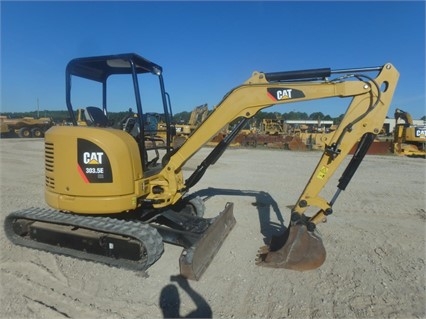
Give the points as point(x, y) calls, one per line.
point(264, 203)
point(170, 300)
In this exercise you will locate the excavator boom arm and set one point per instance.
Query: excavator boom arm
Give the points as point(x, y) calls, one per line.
point(366, 113)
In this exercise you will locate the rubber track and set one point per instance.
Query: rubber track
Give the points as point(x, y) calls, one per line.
point(147, 235)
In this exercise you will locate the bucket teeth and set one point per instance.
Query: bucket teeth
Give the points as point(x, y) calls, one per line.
point(303, 250)
point(262, 250)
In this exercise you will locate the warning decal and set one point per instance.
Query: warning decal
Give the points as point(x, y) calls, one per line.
point(323, 172)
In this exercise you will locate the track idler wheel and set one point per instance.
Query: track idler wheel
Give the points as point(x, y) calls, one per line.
point(297, 248)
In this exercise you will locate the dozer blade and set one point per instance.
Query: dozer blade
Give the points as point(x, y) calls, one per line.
point(195, 259)
point(297, 249)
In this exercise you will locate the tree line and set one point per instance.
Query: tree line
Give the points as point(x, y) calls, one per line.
point(182, 117)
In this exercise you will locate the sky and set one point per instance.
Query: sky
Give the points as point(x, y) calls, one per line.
point(208, 48)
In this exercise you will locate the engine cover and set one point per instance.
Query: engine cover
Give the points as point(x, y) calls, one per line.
point(92, 170)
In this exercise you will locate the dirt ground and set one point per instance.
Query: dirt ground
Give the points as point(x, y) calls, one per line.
point(375, 241)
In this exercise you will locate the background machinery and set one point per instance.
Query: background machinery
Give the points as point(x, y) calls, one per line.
point(116, 200)
point(184, 130)
point(198, 115)
point(409, 139)
point(25, 127)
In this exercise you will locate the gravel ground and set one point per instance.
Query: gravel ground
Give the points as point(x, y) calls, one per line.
point(375, 243)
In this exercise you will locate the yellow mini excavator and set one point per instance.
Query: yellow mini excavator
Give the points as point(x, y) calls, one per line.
point(116, 199)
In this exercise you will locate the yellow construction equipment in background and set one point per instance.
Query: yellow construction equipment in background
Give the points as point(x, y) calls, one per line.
point(409, 139)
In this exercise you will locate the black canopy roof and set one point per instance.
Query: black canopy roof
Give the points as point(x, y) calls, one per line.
point(99, 68)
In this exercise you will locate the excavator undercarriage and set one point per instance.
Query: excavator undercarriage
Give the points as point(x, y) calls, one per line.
point(121, 242)
point(115, 198)
point(99, 239)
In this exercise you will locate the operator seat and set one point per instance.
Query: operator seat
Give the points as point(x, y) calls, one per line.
point(97, 116)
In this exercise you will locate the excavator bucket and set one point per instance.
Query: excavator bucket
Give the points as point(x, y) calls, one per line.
point(296, 249)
